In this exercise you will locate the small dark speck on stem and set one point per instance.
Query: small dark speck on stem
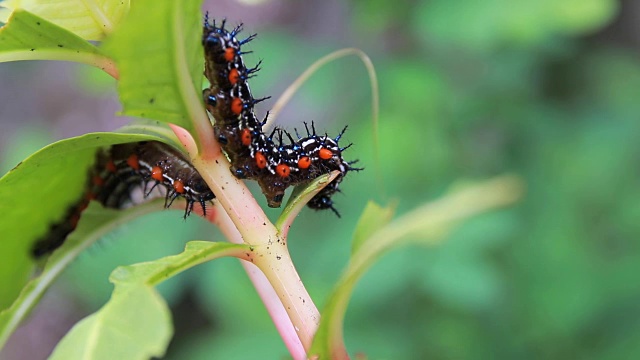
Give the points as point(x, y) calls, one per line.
point(33, 49)
point(38, 23)
point(60, 46)
point(152, 100)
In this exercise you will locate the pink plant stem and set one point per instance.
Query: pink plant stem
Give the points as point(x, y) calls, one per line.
point(242, 220)
point(282, 275)
point(269, 297)
point(276, 310)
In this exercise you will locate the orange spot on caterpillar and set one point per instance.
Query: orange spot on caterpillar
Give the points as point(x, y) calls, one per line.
point(178, 186)
point(261, 161)
point(304, 162)
point(234, 76)
point(132, 161)
point(283, 170)
point(245, 137)
point(236, 106)
point(325, 154)
point(97, 180)
point(74, 220)
point(111, 166)
point(229, 54)
point(156, 173)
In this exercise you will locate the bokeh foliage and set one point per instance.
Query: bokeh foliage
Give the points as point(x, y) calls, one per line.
point(469, 89)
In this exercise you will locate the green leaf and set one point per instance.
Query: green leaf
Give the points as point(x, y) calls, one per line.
point(428, 224)
point(195, 252)
point(135, 323)
point(29, 37)
point(159, 131)
point(35, 194)
point(300, 197)
point(96, 221)
point(161, 71)
point(90, 20)
point(373, 218)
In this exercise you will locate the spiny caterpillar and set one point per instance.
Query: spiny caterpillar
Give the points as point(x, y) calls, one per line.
point(275, 164)
point(121, 169)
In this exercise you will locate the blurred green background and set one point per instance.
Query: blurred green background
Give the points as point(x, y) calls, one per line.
point(469, 89)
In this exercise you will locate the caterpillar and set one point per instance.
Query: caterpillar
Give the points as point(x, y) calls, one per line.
point(275, 164)
point(121, 169)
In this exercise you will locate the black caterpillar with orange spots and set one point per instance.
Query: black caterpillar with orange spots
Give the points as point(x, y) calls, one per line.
point(147, 165)
point(275, 164)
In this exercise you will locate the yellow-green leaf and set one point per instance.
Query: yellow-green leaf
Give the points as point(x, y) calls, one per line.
point(300, 197)
point(159, 56)
point(89, 19)
point(29, 37)
point(135, 324)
